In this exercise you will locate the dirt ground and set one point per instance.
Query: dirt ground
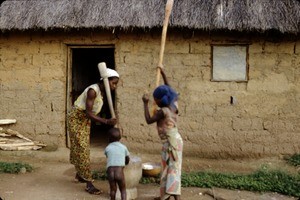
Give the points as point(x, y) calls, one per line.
point(53, 177)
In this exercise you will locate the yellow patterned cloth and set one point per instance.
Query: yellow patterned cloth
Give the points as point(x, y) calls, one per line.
point(79, 132)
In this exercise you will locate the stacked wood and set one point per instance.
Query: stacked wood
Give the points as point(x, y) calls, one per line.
point(11, 140)
point(7, 121)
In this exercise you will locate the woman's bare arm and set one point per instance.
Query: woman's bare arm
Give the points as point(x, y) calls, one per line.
point(91, 96)
point(157, 116)
point(166, 82)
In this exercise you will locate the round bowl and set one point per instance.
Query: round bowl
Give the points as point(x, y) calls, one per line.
point(151, 169)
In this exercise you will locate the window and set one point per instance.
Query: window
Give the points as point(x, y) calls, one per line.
point(229, 63)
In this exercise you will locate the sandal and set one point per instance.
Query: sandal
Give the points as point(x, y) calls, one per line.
point(79, 179)
point(93, 190)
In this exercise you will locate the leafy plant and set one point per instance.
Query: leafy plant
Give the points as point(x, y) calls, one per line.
point(149, 180)
point(99, 175)
point(14, 168)
point(260, 181)
point(294, 160)
point(263, 180)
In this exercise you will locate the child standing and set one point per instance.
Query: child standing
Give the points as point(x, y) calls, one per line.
point(172, 144)
point(117, 157)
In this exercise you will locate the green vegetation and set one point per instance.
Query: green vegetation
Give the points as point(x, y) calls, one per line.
point(294, 160)
point(263, 180)
point(99, 175)
point(149, 180)
point(260, 181)
point(14, 168)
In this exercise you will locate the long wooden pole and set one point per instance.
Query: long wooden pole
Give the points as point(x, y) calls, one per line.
point(168, 10)
point(102, 69)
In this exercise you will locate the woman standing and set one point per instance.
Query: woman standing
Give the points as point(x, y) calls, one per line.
point(172, 144)
point(85, 109)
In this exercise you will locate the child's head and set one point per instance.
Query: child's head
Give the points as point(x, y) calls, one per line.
point(164, 95)
point(114, 135)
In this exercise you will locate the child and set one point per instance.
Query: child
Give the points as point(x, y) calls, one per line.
point(117, 157)
point(172, 144)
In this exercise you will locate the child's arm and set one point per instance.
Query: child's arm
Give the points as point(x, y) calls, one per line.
point(127, 159)
point(157, 116)
point(164, 76)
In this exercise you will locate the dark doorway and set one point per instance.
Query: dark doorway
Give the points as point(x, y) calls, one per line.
point(84, 73)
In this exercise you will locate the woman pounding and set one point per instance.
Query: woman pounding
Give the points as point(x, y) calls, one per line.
point(85, 109)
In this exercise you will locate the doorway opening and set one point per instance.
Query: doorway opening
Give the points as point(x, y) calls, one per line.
point(84, 72)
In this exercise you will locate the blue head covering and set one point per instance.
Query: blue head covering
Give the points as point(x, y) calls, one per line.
point(166, 95)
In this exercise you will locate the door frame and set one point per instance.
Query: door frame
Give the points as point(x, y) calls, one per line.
point(69, 86)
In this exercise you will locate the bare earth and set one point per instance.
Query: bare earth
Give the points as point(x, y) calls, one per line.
point(53, 178)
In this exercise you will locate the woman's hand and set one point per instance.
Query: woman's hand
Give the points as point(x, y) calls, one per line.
point(163, 74)
point(111, 121)
point(161, 68)
point(145, 98)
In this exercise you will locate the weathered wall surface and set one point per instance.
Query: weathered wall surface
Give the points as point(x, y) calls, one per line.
point(264, 121)
point(33, 85)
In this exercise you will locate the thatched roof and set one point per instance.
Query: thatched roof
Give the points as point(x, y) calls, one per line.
point(209, 15)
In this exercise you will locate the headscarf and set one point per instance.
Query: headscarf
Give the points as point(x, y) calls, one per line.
point(166, 95)
point(111, 73)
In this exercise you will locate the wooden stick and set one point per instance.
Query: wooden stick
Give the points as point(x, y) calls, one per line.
point(20, 148)
point(17, 144)
point(7, 121)
point(168, 11)
point(16, 133)
point(102, 69)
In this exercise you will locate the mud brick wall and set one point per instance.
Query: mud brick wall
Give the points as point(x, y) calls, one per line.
point(263, 122)
point(32, 85)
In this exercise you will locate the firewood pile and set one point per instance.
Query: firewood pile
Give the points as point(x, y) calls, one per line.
point(11, 140)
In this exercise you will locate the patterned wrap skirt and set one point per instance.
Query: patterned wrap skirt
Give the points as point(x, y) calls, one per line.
point(171, 155)
point(79, 131)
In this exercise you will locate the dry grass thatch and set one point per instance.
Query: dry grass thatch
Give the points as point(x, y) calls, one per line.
point(239, 15)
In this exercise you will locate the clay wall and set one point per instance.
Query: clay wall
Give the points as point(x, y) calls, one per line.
point(262, 122)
